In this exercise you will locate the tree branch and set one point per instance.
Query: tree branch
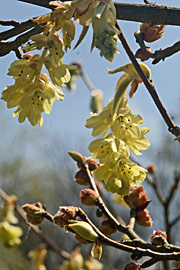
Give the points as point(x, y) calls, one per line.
point(7, 47)
point(150, 87)
point(149, 13)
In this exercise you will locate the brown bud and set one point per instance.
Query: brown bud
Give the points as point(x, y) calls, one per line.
point(65, 214)
point(143, 55)
point(159, 238)
point(132, 266)
point(88, 197)
point(81, 178)
point(151, 32)
point(151, 168)
point(93, 164)
point(143, 218)
point(137, 198)
point(107, 228)
point(35, 213)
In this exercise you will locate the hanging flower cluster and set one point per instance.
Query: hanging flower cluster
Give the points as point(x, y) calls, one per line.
point(113, 150)
point(32, 92)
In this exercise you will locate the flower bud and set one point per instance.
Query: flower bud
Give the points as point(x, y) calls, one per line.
point(88, 197)
point(151, 168)
point(107, 228)
point(93, 164)
point(84, 230)
point(132, 266)
point(159, 238)
point(143, 218)
point(96, 100)
point(65, 215)
point(35, 213)
point(137, 198)
point(143, 55)
point(151, 32)
point(81, 178)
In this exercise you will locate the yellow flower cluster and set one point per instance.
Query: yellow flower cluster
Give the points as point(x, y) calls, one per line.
point(113, 150)
point(32, 92)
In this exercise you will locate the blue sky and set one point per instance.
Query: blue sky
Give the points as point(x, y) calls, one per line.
point(67, 118)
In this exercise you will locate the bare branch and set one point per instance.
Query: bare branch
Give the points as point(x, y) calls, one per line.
point(7, 47)
point(162, 54)
point(148, 13)
point(18, 29)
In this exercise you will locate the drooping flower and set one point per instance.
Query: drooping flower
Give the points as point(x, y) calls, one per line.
point(119, 175)
point(38, 256)
point(108, 148)
point(105, 32)
point(100, 122)
point(126, 127)
point(31, 102)
point(9, 234)
point(59, 73)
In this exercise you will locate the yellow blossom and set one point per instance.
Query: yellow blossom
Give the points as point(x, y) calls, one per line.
point(108, 148)
point(100, 122)
point(119, 175)
point(38, 256)
point(126, 127)
point(59, 73)
point(31, 102)
point(10, 234)
point(105, 32)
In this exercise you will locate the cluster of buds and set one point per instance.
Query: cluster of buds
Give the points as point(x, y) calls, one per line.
point(148, 33)
point(159, 238)
point(65, 215)
point(151, 33)
point(81, 177)
point(138, 200)
point(35, 213)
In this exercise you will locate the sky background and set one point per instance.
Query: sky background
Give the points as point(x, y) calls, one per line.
point(67, 119)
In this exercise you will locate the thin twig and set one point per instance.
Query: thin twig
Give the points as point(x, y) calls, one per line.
point(20, 28)
point(7, 47)
point(158, 55)
point(150, 87)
